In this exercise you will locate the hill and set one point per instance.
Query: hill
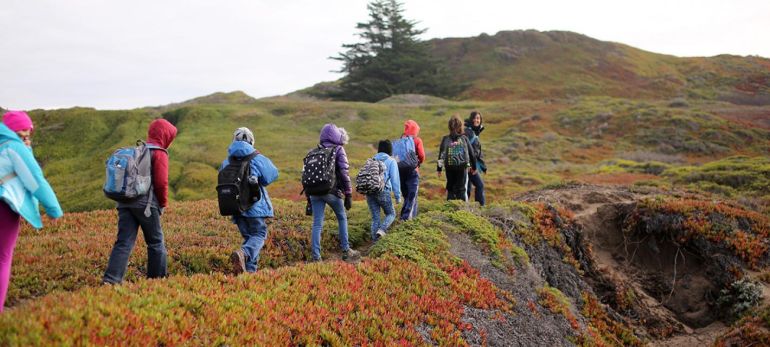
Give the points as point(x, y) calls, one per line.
point(529, 64)
point(527, 143)
point(561, 266)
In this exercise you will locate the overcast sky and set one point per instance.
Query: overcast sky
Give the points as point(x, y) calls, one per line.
point(127, 54)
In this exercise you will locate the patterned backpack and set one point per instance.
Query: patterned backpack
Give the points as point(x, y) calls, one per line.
point(319, 172)
point(371, 178)
point(456, 155)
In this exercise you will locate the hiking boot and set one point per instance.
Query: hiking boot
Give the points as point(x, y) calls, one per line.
point(380, 234)
point(351, 255)
point(238, 258)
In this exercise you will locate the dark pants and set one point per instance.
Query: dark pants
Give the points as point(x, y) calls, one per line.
point(475, 180)
point(129, 221)
point(456, 184)
point(410, 181)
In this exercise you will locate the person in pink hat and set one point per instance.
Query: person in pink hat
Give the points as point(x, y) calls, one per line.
point(22, 186)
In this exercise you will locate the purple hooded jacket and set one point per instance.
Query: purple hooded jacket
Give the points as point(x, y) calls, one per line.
point(331, 135)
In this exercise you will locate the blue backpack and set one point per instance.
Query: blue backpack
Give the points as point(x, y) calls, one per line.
point(129, 172)
point(404, 153)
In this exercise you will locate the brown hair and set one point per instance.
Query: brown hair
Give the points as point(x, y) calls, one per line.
point(455, 125)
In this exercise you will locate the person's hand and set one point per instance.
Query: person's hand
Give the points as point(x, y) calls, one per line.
point(473, 172)
point(348, 201)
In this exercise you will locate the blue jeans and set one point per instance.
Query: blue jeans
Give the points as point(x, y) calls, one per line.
point(376, 202)
point(254, 232)
point(129, 221)
point(475, 180)
point(318, 203)
point(410, 181)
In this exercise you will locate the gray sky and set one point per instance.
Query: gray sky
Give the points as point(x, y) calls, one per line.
point(126, 54)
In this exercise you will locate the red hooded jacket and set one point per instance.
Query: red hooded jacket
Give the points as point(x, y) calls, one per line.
point(160, 133)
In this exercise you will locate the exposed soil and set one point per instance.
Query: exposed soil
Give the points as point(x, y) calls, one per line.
point(530, 324)
point(666, 290)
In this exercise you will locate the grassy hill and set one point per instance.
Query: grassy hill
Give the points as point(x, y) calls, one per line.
point(514, 65)
point(528, 143)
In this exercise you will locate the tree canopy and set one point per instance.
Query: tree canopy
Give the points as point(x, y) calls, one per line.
point(391, 59)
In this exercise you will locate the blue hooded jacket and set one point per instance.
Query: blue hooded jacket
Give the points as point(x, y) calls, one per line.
point(261, 168)
point(392, 178)
point(23, 191)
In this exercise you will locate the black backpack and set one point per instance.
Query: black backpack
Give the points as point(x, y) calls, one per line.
point(319, 172)
point(234, 192)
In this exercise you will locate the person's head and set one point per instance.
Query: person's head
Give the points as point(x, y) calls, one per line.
point(475, 118)
point(330, 133)
point(385, 147)
point(243, 134)
point(411, 128)
point(20, 123)
point(455, 125)
point(161, 132)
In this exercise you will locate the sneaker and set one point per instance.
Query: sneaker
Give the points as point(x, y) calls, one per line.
point(351, 255)
point(380, 234)
point(238, 258)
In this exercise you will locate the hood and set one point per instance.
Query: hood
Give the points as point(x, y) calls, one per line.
point(161, 133)
point(381, 156)
point(7, 134)
point(331, 134)
point(411, 128)
point(240, 149)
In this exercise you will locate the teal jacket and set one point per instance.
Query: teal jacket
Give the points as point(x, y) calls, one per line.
point(261, 168)
point(27, 185)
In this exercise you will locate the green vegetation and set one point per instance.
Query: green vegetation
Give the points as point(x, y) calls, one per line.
point(390, 60)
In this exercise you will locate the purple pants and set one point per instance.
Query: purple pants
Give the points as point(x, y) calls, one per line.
point(9, 231)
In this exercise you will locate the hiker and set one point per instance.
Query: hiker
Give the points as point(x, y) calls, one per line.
point(409, 145)
point(456, 156)
point(329, 187)
point(145, 211)
point(22, 185)
point(252, 222)
point(380, 171)
point(473, 128)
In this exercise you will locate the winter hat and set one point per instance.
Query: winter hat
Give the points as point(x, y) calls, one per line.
point(243, 134)
point(385, 147)
point(17, 121)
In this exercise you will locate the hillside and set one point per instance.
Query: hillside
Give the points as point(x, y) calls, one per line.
point(516, 65)
point(560, 266)
point(528, 143)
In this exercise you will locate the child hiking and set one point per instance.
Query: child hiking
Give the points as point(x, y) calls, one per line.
point(377, 179)
point(457, 158)
point(473, 129)
point(144, 210)
point(251, 222)
point(410, 154)
point(22, 185)
point(326, 180)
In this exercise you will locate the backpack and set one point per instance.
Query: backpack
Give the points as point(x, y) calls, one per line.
point(371, 177)
point(319, 171)
point(456, 155)
point(404, 153)
point(129, 172)
point(234, 192)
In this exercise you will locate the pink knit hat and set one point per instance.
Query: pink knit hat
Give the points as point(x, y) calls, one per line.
point(17, 120)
